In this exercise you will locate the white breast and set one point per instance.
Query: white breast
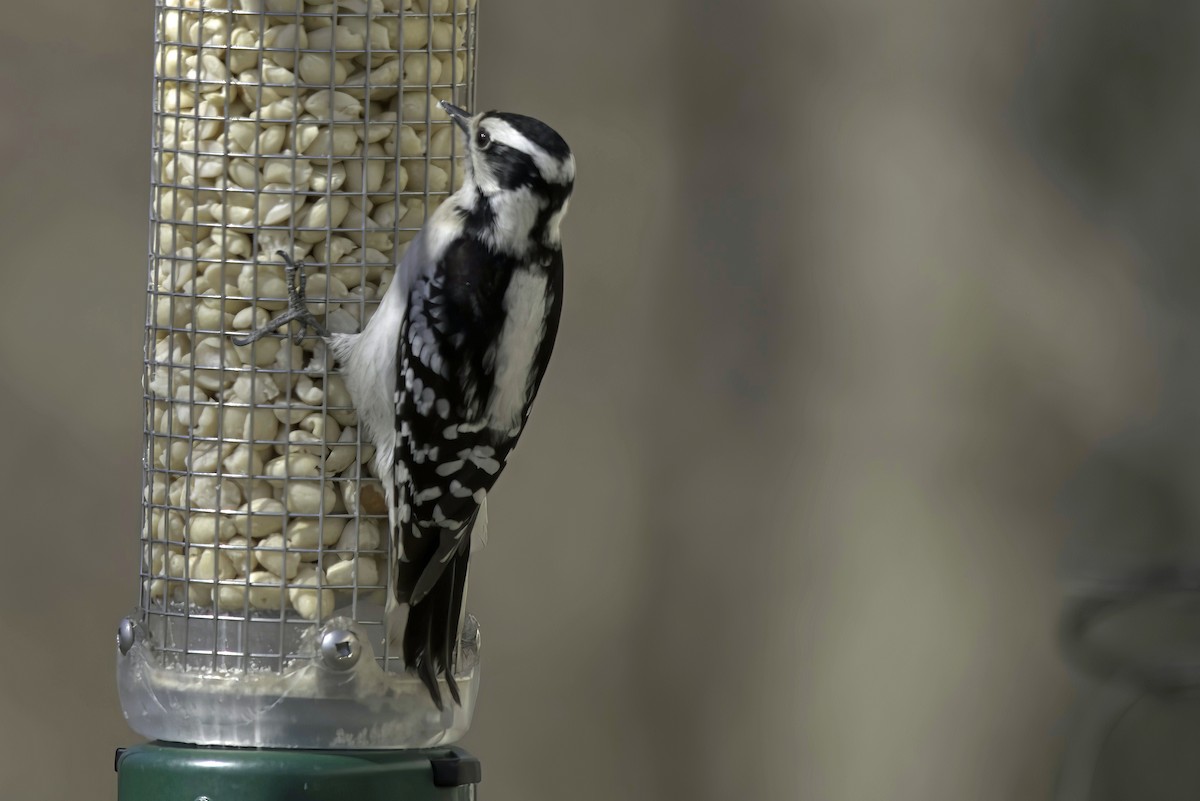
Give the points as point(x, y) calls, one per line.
point(368, 359)
point(520, 336)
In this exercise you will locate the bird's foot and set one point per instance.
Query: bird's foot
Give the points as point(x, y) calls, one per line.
point(297, 308)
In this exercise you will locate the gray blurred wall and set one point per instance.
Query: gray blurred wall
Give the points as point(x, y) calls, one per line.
point(784, 524)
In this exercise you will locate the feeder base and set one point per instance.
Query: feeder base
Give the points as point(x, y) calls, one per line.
point(174, 772)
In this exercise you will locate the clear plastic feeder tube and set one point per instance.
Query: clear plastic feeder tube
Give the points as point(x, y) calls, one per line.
point(311, 128)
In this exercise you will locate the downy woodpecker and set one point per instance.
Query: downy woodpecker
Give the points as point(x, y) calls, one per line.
point(444, 375)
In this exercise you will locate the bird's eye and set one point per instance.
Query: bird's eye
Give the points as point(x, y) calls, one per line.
point(482, 139)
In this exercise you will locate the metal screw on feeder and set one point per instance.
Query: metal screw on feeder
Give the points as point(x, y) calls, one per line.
point(313, 129)
point(340, 649)
point(126, 635)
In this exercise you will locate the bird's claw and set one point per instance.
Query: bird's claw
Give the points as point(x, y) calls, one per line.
point(297, 308)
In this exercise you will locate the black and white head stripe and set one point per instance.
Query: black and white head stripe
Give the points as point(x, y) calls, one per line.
point(523, 151)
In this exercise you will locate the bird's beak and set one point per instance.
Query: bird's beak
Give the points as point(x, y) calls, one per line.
point(461, 118)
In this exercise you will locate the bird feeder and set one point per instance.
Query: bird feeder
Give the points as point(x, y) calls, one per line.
point(311, 128)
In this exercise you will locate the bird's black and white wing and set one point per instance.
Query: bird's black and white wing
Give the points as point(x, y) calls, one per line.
point(473, 350)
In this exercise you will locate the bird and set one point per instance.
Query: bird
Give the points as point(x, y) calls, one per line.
point(444, 375)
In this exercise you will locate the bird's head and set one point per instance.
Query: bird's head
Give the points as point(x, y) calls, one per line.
point(517, 160)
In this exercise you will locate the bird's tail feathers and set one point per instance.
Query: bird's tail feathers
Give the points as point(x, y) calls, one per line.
point(431, 633)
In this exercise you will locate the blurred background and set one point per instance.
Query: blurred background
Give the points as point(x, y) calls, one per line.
point(856, 290)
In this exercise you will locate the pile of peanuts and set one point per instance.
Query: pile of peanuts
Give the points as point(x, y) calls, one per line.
point(310, 127)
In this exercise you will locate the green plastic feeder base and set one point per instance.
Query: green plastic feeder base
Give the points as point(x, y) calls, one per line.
point(173, 772)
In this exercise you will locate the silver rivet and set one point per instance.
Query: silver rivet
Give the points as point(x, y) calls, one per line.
point(340, 649)
point(126, 634)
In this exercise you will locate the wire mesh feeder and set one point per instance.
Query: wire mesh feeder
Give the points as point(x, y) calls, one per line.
point(311, 128)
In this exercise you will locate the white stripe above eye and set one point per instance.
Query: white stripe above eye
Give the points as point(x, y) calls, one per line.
point(553, 170)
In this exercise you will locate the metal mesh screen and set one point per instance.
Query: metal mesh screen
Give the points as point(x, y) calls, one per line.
point(311, 128)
